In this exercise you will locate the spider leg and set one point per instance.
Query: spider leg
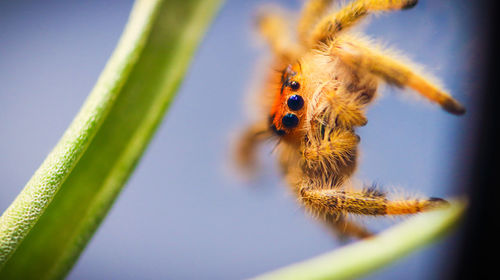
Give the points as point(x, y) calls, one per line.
point(351, 14)
point(395, 73)
point(345, 228)
point(274, 28)
point(246, 146)
point(311, 12)
point(335, 201)
point(330, 150)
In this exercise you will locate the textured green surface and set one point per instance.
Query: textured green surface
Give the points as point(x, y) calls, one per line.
point(45, 229)
point(365, 256)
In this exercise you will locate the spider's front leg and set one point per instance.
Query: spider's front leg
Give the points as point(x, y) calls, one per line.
point(338, 201)
point(329, 157)
point(330, 153)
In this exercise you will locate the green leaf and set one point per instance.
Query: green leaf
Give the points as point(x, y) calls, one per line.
point(365, 256)
point(45, 229)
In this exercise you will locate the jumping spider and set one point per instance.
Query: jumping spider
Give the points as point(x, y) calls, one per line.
point(314, 104)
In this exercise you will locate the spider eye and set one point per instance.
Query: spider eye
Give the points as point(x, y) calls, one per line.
point(290, 120)
point(294, 85)
point(295, 102)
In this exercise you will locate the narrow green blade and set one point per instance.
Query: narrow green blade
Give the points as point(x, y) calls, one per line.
point(45, 229)
point(365, 256)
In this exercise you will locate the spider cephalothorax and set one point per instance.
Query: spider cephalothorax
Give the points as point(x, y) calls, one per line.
point(317, 100)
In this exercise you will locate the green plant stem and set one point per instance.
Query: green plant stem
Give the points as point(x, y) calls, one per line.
point(47, 226)
point(365, 256)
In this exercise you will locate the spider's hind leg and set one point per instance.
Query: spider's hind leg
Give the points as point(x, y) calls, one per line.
point(273, 26)
point(351, 14)
point(345, 228)
point(393, 72)
point(311, 12)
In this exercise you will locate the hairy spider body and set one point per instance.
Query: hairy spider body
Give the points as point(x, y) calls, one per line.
point(314, 104)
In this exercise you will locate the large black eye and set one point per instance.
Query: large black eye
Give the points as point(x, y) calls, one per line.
point(290, 120)
point(294, 85)
point(295, 102)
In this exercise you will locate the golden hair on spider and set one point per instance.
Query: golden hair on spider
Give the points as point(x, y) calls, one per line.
point(313, 105)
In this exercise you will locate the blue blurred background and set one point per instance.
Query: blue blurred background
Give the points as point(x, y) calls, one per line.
point(182, 215)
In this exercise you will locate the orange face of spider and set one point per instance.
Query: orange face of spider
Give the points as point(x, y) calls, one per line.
point(288, 110)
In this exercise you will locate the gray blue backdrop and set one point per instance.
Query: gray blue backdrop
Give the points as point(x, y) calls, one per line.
point(181, 216)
